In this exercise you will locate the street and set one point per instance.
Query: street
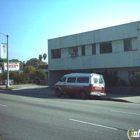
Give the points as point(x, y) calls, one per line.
point(26, 117)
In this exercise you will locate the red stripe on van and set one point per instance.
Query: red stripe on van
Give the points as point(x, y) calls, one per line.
point(96, 89)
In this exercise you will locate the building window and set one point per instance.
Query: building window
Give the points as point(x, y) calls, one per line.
point(106, 47)
point(127, 44)
point(83, 50)
point(73, 51)
point(56, 53)
point(93, 48)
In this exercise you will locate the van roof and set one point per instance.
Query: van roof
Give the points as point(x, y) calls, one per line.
point(81, 74)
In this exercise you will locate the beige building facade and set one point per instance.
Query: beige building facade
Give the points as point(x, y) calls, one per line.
point(113, 49)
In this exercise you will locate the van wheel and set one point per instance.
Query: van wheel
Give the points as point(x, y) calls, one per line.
point(58, 93)
point(83, 95)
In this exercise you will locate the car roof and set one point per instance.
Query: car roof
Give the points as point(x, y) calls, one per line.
point(81, 74)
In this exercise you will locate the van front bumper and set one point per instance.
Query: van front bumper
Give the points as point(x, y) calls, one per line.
point(97, 94)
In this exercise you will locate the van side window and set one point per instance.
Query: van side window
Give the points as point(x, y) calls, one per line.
point(71, 80)
point(83, 80)
point(63, 79)
point(101, 81)
point(95, 80)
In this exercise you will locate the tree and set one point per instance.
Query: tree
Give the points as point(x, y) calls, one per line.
point(23, 78)
point(37, 75)
point(4, 75)
point(29, 69)
point(40, 74)
point(44, 56)
point(34, 62)
point(24, 65)
point(14, 75)
point(40, 57)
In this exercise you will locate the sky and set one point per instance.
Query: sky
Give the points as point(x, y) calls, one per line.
point(30, 23)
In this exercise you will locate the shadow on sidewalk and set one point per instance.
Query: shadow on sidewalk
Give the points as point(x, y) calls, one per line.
point(45, 92)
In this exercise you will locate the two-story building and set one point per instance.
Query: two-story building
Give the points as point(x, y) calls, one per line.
point(113, 49)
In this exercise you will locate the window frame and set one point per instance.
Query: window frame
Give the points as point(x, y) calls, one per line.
point(56, 53)
point(105, 47)
point(127, 44)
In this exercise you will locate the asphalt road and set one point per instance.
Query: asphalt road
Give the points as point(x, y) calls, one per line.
point(24, 117)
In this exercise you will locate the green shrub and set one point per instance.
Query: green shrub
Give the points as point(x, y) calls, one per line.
point(135, 80)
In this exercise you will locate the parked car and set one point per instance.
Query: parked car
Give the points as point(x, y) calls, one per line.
point(83, 84)
point(11, 82)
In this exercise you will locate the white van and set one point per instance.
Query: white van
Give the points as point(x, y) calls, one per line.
point(84, 84)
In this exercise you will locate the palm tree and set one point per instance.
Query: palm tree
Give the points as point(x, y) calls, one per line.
point(44, 56)
point(40, 57)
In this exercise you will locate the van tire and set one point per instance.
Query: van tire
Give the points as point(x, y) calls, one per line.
point(58, 93)
point(83, 95)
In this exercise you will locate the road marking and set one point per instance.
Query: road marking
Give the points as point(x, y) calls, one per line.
point(3, 105)
point(93, 124)
point(125, 112)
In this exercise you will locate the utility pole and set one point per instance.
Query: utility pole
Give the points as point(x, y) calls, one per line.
point(7, 85)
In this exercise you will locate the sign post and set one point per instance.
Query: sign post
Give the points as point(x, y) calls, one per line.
point(7, 60)
point(7, 64)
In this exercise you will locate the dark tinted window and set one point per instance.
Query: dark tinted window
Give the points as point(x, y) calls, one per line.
point(93, 48)
point(83, 80)
point(127, 45)
point(71, 79)
point(83, 50)
point(56, 53)
point(105, 47)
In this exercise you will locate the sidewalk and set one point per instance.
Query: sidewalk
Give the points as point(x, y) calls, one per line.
point(123, 98)
point(43, 89)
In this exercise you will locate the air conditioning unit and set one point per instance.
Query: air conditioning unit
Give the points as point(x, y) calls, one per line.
point(74, 54)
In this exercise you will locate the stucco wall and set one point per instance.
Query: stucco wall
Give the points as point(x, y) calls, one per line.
point(118, 59)
point(115, 34)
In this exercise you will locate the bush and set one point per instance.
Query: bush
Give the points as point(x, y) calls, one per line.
point(23, 78)
point(135, 80)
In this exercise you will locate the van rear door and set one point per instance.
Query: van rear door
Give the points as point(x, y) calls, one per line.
point(102, 84)
point(99, 84)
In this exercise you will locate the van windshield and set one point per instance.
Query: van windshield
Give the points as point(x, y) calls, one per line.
point(63, 79)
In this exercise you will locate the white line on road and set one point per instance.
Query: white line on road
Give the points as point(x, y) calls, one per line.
point(3, 105)
point(125, 112)
point(93, 124)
